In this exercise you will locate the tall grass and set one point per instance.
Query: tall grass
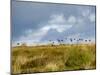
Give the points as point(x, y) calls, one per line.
point(30, 59)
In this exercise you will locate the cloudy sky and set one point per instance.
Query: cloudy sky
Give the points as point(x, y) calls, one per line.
point(40, 22)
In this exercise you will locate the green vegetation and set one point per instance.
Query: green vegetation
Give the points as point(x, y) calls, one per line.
point(31, 59)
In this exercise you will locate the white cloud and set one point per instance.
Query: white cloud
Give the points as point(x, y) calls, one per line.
point(60, 28)
point(88, 14)
point(92, 17)
point(58, 22)
point(34, 36)
point(71, 19)
point(80, 20)
point(85, 12)
point(56, 19)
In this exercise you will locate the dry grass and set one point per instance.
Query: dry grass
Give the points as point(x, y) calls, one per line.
point(30, 59)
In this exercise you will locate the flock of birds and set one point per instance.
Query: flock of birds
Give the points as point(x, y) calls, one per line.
point(62, 41)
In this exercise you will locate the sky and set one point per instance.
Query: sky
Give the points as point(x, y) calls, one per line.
point(34, 22)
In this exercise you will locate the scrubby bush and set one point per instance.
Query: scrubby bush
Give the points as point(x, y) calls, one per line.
point(79, 58)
